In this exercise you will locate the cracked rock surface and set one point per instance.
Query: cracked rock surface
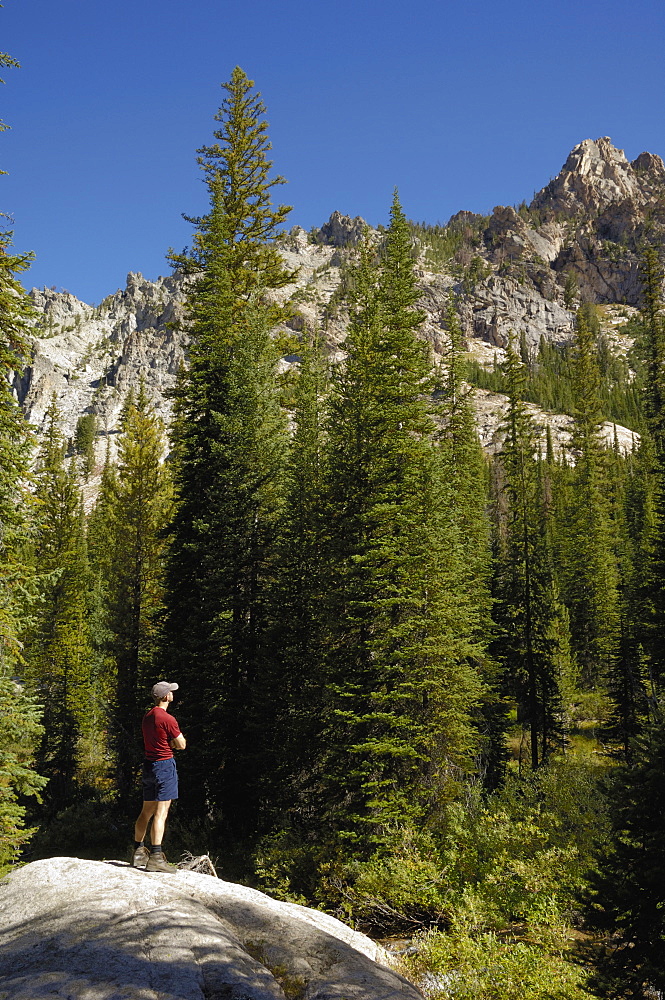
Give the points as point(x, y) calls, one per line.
point(95, 930)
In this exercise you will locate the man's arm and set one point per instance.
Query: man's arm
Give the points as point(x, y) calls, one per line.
point(178, 742)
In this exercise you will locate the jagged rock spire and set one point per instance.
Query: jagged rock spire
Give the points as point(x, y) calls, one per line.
point(597, 175)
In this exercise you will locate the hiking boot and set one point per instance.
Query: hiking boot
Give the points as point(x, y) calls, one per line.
point(139, 856)
point(158, 863)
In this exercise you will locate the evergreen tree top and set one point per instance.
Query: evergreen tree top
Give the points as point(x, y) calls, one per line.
point(237, 236)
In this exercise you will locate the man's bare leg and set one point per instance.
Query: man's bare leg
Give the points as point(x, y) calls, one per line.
point(141, 824)
point(156, 861)
point(159, 815)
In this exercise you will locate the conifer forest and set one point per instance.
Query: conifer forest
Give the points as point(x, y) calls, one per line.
point(422, 684)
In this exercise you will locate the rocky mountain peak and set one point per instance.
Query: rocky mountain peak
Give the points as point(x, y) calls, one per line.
point(595, 176)
point(649, 165)
point(341, 230)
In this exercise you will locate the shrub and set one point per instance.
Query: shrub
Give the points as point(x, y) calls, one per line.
point(401, 887)
point(459, 967)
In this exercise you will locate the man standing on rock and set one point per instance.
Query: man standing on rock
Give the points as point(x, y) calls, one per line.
point(161, 736)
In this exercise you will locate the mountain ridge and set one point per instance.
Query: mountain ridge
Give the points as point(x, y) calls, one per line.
point(521, 271)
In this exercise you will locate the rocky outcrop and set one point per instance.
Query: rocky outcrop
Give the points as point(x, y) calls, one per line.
point(501, 307)
point(604, 207)
point(342, 230)
point(509, 237)
point(89, 358)
point(595, 176)
point(102, 931)
point(491, 409)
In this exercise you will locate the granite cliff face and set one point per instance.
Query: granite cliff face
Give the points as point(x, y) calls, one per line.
point(90, 357)
point(519, 272)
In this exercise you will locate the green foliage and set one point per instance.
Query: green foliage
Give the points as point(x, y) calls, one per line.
point(92, 828)
point(570, 289)
point(524, 854)
point(489, 967)
point(549, 380)
point(450, 247)
point(20, 731)
point(652, 350)
point(401, 887)
point(84, 440)
point(629, 889)
point(15, 450)
point(330, 597)
point(229, 449)
point(466, 472)
point(57, 647)
point(293, 687)
point(127, 543)
point(652, 345)
point(533, 643)
point(501, 877)
point(400, 675)
point(465, 467)
point(590, 574)
point(20, 725)
point(476, 272)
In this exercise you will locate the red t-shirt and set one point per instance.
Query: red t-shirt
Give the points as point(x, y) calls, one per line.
point(158, 728)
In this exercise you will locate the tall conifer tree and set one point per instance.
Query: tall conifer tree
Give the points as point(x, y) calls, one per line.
point(466, 472)
point(129, 527)
point(21, 728)
point(465, 466)
point(533, 641)
point(15, 448)
point(293, 685)
point(230, 442)
point(57, 649)
point(401, 677)
point(590, 567)
point(653, 322)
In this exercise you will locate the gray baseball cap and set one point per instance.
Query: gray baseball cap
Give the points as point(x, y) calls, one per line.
point(162, 688)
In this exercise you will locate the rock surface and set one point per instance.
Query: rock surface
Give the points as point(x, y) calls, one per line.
point(103, 931)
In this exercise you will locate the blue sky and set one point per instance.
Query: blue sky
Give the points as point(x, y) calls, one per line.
point(460, 105)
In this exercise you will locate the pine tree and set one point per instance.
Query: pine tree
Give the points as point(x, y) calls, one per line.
point(465, 465)
point(465, 470)
point(57, 648)
point(630, 496)
point(21, 732)
point(651, 271)
point(84, 438)
point(532, 644)
point(590, 569)
point(15, 447)
point(400, 671)
point(229, 449)
point(133, 511)
point(630, 885)
point(292, 686)
point(653, 347)
point(21, 727)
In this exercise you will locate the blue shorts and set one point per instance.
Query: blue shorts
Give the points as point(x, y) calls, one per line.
point(160, 780)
